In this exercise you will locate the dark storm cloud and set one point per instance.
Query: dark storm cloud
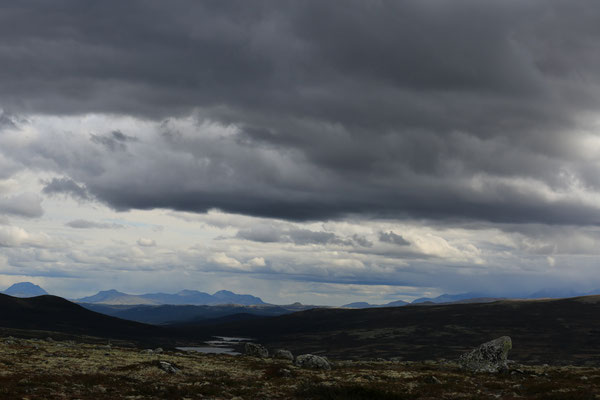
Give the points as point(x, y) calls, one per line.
point(270, 234)
point(85, 224)
point(6, 121)
point(362, 241)
point(434, 109)
point(114, 141)
point(391, 237)
point(68, 187)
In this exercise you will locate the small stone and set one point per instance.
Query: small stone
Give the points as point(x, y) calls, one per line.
point(433, 380)
point(100, 388)
point(167, 367)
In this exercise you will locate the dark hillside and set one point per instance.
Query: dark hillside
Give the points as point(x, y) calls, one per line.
point(51, 313)
point(181, 314)
point(552, 331)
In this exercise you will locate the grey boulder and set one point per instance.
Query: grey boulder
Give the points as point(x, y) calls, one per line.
point(283, 354)
point(256, 350)
point(312, 361)
point(491, 356)
point(167, 367)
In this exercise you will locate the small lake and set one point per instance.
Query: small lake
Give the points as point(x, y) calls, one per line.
point(221, 345)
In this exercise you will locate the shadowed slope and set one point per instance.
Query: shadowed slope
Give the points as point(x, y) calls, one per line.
point(181, 314)
point(553, 331)
point(52, 313)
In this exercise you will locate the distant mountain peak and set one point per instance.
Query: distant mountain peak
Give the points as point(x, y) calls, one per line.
point(449, 298)
point(110, 291)
point(223, 292)
point(183, 297)
point(113, 296)
point(25, 289)
point(228, 297)
point(358, 304)
point(188, 292)
point(363, 304)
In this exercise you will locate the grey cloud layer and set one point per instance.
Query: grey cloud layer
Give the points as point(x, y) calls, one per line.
point(463, 109)
point(114, 141)
point(66, 186)
point(85, 224)
point(391, 237)
point(24, 205)
point(298, 236)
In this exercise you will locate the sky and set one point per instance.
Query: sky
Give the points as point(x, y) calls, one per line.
point(311, 151)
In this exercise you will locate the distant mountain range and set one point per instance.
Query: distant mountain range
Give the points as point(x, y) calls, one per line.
point(475, 297)
point(194, 297)
point(556, 331)
point(362, 304)
point(443, 299)
point(184, 297)
point(24, 289)
point(189, 314)
point(452, 298)
point(479, 297)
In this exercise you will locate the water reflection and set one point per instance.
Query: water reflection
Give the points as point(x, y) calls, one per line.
point(221, 345)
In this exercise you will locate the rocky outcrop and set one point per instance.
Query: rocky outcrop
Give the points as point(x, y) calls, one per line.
point(283, 354)
point(167, 367)
point(256, 350)
point(491, 356)
point(312, 361)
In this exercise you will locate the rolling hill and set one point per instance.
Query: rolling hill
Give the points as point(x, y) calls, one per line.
point(564, 331)
point(55, 314)
point(550, 331)
point(167, 313)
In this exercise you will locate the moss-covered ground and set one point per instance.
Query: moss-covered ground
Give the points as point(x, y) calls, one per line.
point(49, 369)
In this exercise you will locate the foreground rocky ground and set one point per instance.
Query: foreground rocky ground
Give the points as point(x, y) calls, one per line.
point(48, 369)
